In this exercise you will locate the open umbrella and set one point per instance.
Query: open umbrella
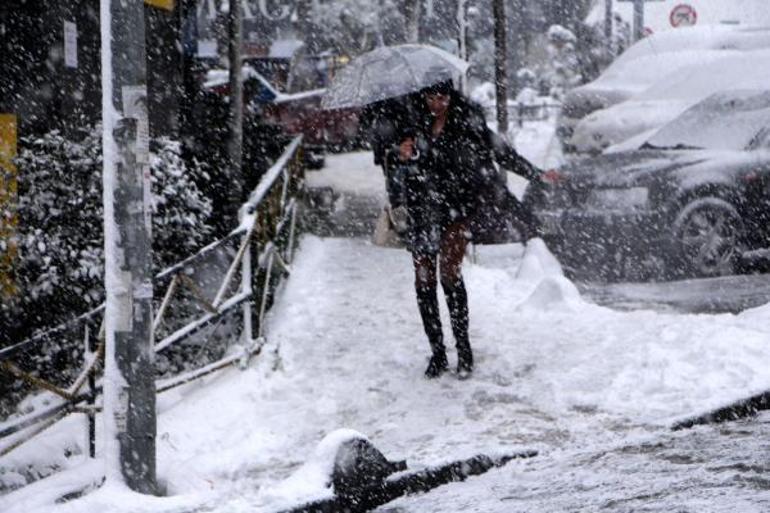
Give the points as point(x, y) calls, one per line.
point(388, 72)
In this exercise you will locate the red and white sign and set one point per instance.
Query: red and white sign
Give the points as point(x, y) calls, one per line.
point(683, 15)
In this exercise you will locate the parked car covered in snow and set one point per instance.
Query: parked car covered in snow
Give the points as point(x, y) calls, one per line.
point(650, 60)
point(692, 200)
point(669, 97)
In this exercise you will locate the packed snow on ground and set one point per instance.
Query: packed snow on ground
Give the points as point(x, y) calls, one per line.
point(593, 389)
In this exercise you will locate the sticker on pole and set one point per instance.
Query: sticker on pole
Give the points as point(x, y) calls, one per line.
point(683, 15)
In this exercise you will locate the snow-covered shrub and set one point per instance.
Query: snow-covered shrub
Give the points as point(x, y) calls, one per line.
point(526, 81)
point(60, 266)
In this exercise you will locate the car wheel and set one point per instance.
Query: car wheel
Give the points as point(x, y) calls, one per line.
point(707, 236)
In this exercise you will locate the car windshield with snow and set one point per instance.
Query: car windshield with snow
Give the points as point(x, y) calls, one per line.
point(692, 200)
point(690, 64)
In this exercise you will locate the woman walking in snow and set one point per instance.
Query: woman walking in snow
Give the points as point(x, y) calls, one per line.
point(448, 176)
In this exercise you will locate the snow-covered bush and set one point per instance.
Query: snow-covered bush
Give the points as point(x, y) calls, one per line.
point(59, 271)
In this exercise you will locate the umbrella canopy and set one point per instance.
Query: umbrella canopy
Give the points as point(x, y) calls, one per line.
point(390, 71)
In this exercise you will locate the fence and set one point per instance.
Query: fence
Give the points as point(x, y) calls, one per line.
point(267, 228)
point(520, 113)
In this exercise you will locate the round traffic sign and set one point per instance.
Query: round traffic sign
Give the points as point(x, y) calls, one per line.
point(683, 15)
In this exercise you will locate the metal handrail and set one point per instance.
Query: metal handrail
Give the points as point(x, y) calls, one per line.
point(270, 211)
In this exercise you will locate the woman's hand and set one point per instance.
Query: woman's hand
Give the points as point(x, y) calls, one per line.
point(406, 149)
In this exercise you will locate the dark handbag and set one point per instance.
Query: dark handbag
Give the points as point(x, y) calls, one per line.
point(501, 219)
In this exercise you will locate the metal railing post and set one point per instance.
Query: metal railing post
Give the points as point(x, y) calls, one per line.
point(265, 294)
point(91, 416)
point(246, 287)
point(289, 257)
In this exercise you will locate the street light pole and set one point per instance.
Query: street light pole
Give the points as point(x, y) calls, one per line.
point(638, 28)
point(235, 122)
point(129, 376)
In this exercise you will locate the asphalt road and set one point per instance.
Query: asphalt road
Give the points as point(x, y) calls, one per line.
point(731, 294)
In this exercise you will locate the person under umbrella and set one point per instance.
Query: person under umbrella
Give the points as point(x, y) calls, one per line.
point(448, 176)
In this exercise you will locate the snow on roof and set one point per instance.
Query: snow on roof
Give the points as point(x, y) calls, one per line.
point(682, 79)
point(662, 54)
point(739, 70)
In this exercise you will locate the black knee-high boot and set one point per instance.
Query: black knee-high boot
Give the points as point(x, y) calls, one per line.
point(457, 301)
point(427, 302)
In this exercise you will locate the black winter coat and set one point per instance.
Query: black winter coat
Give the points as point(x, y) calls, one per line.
point(454, 178)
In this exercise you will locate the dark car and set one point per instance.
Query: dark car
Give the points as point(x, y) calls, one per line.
point(693, 200)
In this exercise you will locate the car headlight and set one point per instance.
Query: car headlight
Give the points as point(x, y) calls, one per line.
point(633, 198)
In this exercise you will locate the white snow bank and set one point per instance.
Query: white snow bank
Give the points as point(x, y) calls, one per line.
point(313, 480)
point(538, 262)
point(553, 293)
point(552, 290)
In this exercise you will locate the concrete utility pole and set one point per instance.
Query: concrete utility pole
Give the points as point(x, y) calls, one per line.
point(501, 76)
point(638, 28)
point(129, 384)
point(235, 121)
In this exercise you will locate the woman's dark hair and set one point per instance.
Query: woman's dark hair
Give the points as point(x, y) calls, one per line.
point(443, 87)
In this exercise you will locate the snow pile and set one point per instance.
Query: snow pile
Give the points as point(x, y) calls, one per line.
point(313, 480)
point(552, 290)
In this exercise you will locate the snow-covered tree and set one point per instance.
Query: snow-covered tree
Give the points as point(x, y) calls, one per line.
point(60, 266)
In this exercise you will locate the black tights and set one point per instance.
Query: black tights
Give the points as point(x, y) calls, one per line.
point(450, 259)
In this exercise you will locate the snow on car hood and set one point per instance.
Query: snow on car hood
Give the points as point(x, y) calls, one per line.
point(687, 168)
point(617, 123)
point(672, 95)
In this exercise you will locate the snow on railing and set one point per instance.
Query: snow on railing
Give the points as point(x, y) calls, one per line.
point(267, 224)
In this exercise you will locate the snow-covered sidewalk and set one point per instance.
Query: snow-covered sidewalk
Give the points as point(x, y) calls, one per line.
point(346, 351)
